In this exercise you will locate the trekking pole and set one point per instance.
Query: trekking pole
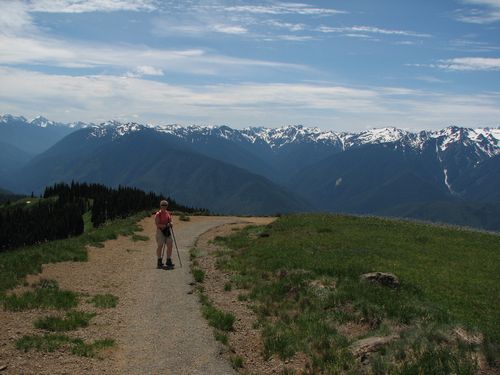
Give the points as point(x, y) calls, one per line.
point(176, 248)
point(163, 251)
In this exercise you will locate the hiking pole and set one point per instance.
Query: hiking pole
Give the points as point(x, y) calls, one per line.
point(176, 248)
point(162, 252)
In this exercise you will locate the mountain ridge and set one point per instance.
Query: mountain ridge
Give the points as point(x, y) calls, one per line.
point(487, 138)
point(376, 171)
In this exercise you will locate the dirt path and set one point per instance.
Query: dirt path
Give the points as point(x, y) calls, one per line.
point(157, 325)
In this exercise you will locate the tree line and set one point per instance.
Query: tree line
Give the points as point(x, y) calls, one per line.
point(59, 214)
point(45, 220)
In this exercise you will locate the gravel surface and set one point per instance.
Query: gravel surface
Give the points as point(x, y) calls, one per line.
point(165, 331)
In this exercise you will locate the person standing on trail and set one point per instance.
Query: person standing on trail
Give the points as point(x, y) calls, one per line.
point(163, 221)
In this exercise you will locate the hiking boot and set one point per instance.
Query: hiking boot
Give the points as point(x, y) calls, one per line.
point(169, 263)
point(159, 264)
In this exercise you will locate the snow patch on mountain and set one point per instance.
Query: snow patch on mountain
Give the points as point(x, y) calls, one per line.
point(114, 129)
point(9, 118)
point(485, 142)
point(279, 137)
point(42, 122)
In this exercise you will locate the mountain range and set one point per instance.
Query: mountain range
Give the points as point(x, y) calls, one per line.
point(450, 175)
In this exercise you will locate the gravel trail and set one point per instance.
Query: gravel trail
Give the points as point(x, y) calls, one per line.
point(165, 330)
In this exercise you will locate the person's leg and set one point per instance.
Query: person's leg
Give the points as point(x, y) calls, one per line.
point(160, 241)
point(158, 250)
point(169, 243)
point(169, 247)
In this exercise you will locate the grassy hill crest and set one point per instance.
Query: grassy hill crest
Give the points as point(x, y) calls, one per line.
point(301, 277)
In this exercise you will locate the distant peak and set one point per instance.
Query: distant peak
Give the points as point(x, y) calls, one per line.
point(115, 129)
point(41, 122)
point(8, 117)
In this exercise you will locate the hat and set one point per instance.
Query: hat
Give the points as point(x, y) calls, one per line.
point(163, 203)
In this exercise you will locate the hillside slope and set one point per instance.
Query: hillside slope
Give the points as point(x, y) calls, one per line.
point(151, 162)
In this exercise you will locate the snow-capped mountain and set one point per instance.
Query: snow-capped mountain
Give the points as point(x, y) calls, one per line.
point(41, 122)
point(35, 135)
point(486, 140)
point(382, 171)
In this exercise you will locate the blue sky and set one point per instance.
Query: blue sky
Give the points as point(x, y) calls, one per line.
point(339, 65)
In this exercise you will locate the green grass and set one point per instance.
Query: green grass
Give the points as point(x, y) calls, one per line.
point(139, 237)
point(40, 298)
point(91, 350)
point(16, 264)
point(216, 318)
point(303, 276)
point(104, 301)
point(236, 361)
point(198, 275)
point(221, 337)
point(184, 217)
point(53, 342)
point(72, 321)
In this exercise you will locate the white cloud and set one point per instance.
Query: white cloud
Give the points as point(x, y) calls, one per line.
point(370, 30)
point(470, 64)
point(255, 21)
point(97, 98)
point(14, 18)
point(290, 38)
point(52, 52)
point(472, 46)
point(286, 25)
point(229, 29)
point(283, 8)
point(489, 13)
point(84, 6)
point(145, 70)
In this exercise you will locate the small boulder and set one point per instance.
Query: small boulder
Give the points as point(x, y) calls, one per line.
point(382, 278)
point(361, 348)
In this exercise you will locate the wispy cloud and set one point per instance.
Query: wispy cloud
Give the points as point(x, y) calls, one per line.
point(97, 98)
point(286, 25)
point(290, 38)
point(472, 46)
point(470, 64)
point(283, 8)
point(85, 6)
point(258, 21)
point(371, 30)
point(430, 79)
point(229, 29)
point(15, 19)
point(145, 70)
point(53, 52)
point(488, 13)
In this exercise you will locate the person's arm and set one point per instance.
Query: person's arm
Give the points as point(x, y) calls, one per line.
point(157, 222)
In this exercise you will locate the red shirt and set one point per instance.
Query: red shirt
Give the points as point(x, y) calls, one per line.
point(162, 218)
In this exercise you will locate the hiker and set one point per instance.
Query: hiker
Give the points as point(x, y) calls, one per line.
point(163, 221)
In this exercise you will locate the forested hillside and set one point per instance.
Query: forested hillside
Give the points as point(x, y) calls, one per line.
point(60, 213)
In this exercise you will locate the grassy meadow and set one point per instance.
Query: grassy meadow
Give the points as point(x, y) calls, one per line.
point(302, 276)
